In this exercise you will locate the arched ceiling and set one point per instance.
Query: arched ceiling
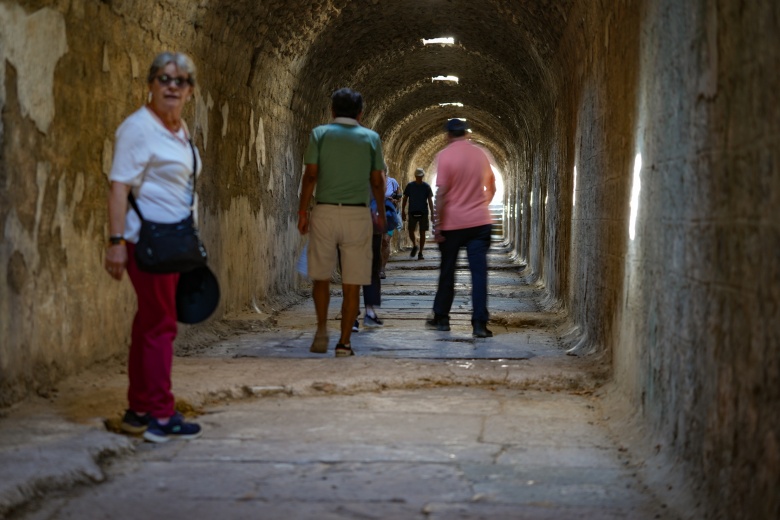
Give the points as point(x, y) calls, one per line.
point(501, 55)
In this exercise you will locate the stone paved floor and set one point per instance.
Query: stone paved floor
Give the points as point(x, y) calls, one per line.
point(420, 424)
point(407, 299)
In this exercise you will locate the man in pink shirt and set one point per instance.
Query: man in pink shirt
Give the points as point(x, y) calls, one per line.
point(465, 186)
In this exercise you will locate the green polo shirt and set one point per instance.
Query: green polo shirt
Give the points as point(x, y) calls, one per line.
point(346, 154)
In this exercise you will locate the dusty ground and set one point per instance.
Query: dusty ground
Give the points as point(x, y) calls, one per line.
point(265, 349)
point(261, 396)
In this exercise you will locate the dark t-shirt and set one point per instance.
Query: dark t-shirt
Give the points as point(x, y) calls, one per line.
point(418, 196)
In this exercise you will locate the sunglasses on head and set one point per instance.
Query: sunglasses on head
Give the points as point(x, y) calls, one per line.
point(165, 79)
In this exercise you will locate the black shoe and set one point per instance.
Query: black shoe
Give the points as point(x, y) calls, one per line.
point(414, 252)
point(176, 428)
point(134, 423)
point(481, 330)
point(344, 350)
point(441, 323)
point(420, 257)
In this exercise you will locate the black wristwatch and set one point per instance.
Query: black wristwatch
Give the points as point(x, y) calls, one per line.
point(116, 240)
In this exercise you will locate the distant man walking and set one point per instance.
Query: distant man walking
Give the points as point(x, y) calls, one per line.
point(465, 185)
point(420, 198)
point(344, 161)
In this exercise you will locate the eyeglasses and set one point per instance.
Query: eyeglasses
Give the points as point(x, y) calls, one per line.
point(165, 79)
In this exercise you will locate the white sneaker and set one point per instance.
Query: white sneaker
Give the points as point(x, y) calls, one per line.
point(372, 322)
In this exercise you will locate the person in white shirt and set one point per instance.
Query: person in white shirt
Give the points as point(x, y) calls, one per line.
point(156, 159)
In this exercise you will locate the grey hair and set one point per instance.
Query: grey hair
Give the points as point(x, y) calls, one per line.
point(183, 62)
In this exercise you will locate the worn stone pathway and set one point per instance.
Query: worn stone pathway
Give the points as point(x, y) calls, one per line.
point(420, 424)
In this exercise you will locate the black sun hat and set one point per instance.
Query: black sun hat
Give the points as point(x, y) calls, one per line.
point(197, 295)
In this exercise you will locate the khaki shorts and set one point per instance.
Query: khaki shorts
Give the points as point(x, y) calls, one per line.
point(344, 229)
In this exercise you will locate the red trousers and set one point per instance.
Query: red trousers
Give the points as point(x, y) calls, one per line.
point(151, 347)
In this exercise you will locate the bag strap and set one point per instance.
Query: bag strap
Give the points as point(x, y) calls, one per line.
point(134, 204)
point(194, 173)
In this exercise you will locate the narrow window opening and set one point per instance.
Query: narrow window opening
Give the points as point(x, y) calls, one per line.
point(574, 189)
point(440, 41)
point(636, 187)
point(453, 79)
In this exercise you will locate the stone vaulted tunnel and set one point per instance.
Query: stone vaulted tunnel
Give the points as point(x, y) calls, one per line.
point(639, 142)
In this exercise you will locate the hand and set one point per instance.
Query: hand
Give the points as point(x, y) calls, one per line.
point(116, 260)
point(303, 223)
point(438, 237)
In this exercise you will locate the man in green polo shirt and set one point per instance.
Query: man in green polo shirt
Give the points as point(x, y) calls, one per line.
point(344, 162)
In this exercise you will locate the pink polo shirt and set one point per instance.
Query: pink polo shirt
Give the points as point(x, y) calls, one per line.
point(463, 173)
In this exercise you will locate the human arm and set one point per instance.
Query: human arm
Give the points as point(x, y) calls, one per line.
point(396, 194)
point(438, 215)
point(378, 190)
point(308, 183)
point(116, 254)
point(489, 177)
point(403, 206)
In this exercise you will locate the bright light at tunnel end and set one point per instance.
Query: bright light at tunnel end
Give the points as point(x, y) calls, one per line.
point(498, 198)
point(636, 187)
point(459, 105)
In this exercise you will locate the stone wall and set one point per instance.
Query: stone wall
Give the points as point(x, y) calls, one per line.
point(687, 304)
point(709, 355)
point(64, 91)
point(71, 72)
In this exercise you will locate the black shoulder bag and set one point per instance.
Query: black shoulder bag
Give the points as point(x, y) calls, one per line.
point(170, 248)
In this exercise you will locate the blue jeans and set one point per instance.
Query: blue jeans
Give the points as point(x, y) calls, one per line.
point(477, 242)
